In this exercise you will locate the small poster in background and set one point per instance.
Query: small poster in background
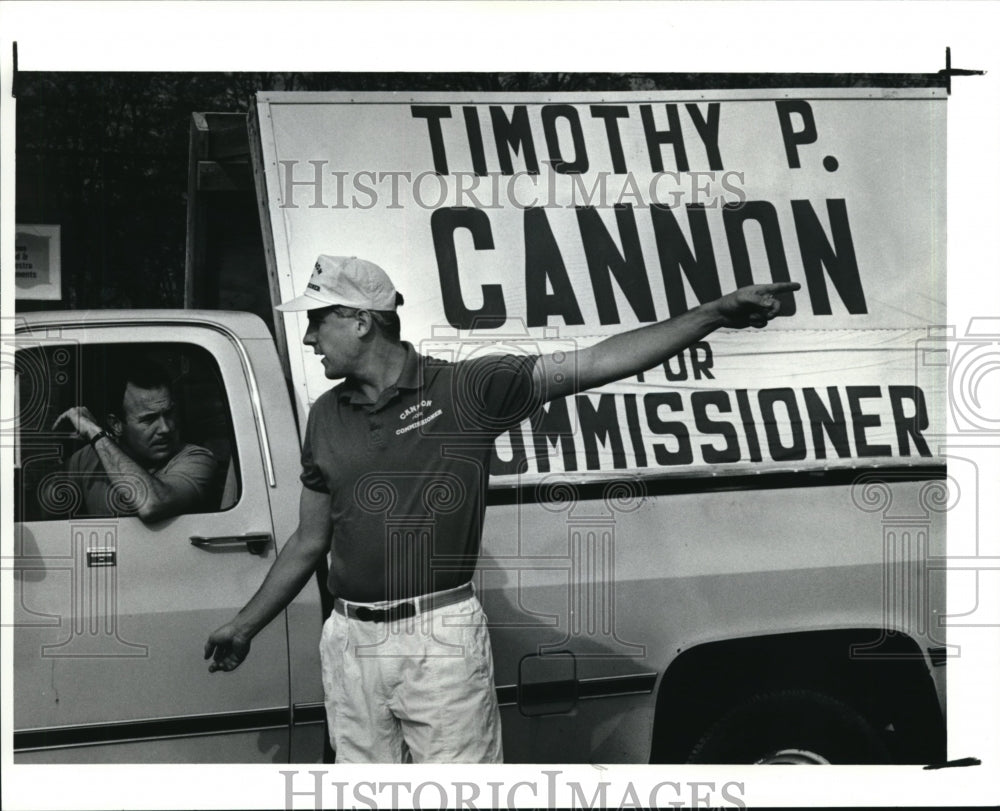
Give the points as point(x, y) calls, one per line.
point(37, 269)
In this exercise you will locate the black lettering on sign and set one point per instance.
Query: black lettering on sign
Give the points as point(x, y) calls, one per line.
point(708, 129)
point(676, 255)
point(768, 399)
point(855, 394)
point(655, 138)
point(600, 424)
point(700, 401)
point(551, 113)
point(909, 425)
point(839, 259)
point(444, 223)
point(749, 425)
point(610, 114)
point(701, 360)
point(433, 115)
point(518, 462)
point(675, 368)
point(544, 267)
point(551, 426)
point(512, 134)
point(626, 265)
point(475, 134)
point(829, 420)
point(672, 374)
point(765, 215)
point(793, 137)
point(664, 456)
point(635, 430)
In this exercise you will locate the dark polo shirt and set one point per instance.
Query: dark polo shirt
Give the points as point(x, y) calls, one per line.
point(407, 474)
point(192, 468)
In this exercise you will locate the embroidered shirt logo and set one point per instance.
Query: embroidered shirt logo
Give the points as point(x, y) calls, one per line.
point(415, 412)
point(416, 408)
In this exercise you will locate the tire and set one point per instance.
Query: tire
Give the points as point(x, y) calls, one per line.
point(791, 726)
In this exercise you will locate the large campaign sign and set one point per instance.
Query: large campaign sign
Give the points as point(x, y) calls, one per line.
point(545, 223)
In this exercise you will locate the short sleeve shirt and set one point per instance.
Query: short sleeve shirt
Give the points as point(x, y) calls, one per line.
point(407, 474)
point(192, 467)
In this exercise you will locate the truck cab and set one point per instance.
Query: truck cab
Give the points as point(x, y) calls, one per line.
point(112, 612)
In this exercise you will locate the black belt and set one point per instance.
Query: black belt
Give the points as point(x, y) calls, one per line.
point(404, 609)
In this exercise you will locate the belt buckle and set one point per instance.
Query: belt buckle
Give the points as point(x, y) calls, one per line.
point(366, 614)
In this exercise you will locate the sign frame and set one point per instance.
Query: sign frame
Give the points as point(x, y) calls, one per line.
point(52, 289)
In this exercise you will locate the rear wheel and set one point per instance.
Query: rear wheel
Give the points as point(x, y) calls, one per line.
point(791, 727)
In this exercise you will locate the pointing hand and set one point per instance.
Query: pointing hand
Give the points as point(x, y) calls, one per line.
point(754, 305)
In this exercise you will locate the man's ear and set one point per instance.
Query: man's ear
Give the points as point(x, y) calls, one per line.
point(365, 323)
point(115, 424)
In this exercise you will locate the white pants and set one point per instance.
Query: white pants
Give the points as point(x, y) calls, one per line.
point(418, 689)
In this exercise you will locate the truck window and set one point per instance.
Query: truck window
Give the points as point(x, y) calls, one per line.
point(57, 472)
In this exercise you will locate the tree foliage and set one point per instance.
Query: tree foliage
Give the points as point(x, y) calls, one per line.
point(105, 155)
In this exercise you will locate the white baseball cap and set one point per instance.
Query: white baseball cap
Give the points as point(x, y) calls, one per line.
point(347, 281)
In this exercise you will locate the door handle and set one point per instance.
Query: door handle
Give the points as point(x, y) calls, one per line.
point(256, 542)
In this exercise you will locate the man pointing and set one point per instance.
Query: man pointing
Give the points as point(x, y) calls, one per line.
point(407, 664)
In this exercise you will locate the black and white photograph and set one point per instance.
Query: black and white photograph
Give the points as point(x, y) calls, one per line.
point(480, 405)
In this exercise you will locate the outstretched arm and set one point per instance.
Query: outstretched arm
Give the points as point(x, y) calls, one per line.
point(629, 353)
point(229, 645)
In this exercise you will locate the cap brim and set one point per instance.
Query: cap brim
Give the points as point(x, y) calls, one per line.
point(301, 304)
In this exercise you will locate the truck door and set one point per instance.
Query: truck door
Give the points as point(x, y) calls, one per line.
point(112, 613)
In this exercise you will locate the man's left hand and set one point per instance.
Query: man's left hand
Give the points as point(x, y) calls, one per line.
point(82, 420)
point(754, 305)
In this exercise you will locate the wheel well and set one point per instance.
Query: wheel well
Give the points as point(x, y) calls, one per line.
point(883, 675)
